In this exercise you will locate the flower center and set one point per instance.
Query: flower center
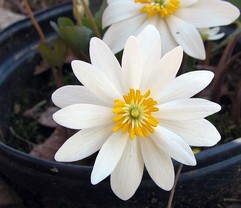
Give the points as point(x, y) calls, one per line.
point(134, 114)
point(162, 7)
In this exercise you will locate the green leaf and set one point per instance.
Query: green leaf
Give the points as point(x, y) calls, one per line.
point(46, 53)
point(59, 52)
point(64, 22)
point(76, 37)
point(55, 55)
point(54, 26)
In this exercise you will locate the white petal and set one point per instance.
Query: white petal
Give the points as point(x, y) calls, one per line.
point(168, 42)
point(195, 132)
point(80, 116)
point(187, 36)
point(132, 66)
point(216, 37)
point(173, 145)
point(158, 164)
point(73, 94)
point(186, 3)
point(187, 109)
point(96, 81)
point(127, 175)
point(108, 157)
point(103, 58)
point(209, 13)
point(185, 86)
point(118, 11)
point(83, 144)
point(164, 71)
point(149, 41)
point(118, 33)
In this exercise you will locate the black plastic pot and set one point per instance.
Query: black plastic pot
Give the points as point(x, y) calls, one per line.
point(217, 175)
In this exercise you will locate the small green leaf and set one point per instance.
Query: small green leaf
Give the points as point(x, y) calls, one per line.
point(76, 37)
point(46, 53)
point(55, 55)
point(64, 22)
point(60, 51)
point(54, 26)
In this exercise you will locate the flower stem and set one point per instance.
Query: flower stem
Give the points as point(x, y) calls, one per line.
point(34, 21)
point(91, 18)
point(169, 204)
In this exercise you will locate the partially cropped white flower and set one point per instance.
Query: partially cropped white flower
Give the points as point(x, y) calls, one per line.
point(136, 114)
point(211, 33)
point(176, 20)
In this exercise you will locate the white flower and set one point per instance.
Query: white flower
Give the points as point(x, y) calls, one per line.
point(211, 33)
point(135, 114)
point(176, 20)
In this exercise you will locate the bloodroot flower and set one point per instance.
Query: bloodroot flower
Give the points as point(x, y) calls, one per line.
point(177, 21)
point(136, 114)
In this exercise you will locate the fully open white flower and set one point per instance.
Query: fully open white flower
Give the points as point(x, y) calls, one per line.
point(135, 114)
point(176, 20)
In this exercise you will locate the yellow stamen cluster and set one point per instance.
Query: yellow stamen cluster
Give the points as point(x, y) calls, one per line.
point(162, 7)
point(134, 114)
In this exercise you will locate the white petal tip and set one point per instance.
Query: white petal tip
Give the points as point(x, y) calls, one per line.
point(192, 162)
point(94, 180)
point(59, 157)
point(168, 187)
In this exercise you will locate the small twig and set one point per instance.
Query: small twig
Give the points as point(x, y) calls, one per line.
point(236, 110)
point(34, 21)
point(91, 18)
point(58, 77)
point(209, 48)
point(169, 204)
point(220, 69)
point(231, 200)
point(20, 138)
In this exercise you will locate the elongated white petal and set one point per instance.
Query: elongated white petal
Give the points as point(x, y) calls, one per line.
point(108, 157)
point(132, 66)
point(96, 81)
point(127, 175)
point(187, 109)
point(199, 132)
point(83, 144)
point(79, 116)
point(133, 26)
point(149, 41)
point(173, 145)
point(118, 11)
point(168, 42)
point(185, 86)
point(206, 13)
point(187, 36)
point(103, 58)
point(187, 3)
point(164, 71)
point(73, 94)
point(158, 164)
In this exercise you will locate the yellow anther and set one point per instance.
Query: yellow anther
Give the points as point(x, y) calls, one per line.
point(134, 114)
point(162, 7)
